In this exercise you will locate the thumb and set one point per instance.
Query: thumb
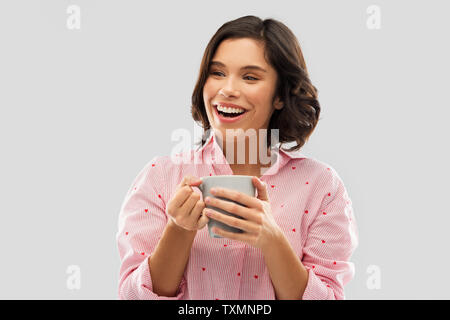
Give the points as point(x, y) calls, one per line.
point(261, 187)
point(195, 181)
point(189, 181)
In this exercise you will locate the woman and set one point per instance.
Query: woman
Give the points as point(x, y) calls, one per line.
point(299, 231)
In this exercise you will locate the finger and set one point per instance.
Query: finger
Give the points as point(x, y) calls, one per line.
point(187, 207)
point(244, 237)
point(181, 196)
point(204, 219)
point(261, 187)
point(231, 207)
point(244, 225)
point(242, 198)
point(185, 185)
point(189, 180)
point(197, 211)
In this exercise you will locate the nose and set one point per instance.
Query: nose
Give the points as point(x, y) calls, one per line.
point(229, 89)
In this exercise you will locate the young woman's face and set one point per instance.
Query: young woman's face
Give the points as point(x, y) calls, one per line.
point(229, 81)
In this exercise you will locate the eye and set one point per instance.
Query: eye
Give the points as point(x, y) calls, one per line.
point(253, 79)
point(216, 72)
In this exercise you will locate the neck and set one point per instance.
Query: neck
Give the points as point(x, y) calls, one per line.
point(246, 155)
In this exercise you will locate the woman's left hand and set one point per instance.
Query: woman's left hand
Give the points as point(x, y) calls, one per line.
point(259, 226)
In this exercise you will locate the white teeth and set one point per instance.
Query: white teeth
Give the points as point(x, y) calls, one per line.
point(229, 110)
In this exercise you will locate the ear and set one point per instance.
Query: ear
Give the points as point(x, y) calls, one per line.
point(278, 104)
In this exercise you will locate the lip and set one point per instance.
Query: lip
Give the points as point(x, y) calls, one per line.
point(225, 119)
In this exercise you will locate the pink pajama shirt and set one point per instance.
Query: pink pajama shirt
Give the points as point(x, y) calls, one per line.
point(309, 203)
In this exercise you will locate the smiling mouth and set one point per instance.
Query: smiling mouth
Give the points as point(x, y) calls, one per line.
point(228, 115)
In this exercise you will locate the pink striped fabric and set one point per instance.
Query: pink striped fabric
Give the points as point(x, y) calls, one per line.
point(309, 202)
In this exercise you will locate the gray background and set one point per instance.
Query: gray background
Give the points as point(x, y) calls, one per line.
point(82, 112)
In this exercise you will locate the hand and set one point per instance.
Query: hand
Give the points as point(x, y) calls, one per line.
point(259, 226)
point(185, 207)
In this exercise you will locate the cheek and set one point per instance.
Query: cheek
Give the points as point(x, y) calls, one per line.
point(208, 95)
point(260, 97)
point(208, 92)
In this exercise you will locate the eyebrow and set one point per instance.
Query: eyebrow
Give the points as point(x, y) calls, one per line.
point(252, 67)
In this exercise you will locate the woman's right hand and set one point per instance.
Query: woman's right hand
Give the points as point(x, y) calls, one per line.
point(185, 207)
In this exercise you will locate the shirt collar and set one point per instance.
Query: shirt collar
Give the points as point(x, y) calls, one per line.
point(212, 145)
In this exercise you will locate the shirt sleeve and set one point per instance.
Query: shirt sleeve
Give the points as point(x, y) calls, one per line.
point(142, 220)
point(332, 238)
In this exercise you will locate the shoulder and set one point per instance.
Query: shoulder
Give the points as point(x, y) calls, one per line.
point(166, 163)
point(312, 165)
point(149, 174)
point(153, 172)
point(164, 172)
point(328, 183)
point(319, 172)
point(159, 170)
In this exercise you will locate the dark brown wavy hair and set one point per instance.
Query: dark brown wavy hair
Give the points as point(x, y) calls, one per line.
point(300, 113)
